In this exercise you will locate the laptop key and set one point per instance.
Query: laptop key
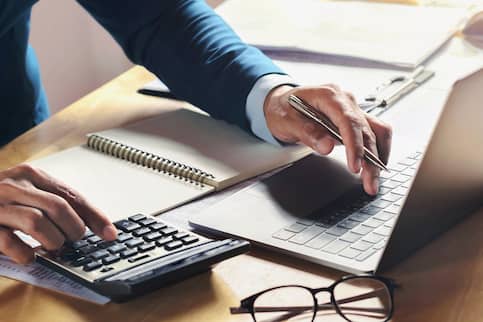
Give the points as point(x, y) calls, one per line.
point(380, 245)
point(390, 184)
point(394, 209)
point(350, 253)
point(401, 178)
point(337, 231)
point(383, 230)
point(306, 235)
point(348, 223)
point(373, 238)
point(384, 215)
point(366, 255)
point(362, 245)
point(371, 210)
point(397, 167)
point(362, 230)
point(336, 246)
point(320, 241)
point(296, 228)
point(381, 203)
point(373, 223)
point(350, 237)
point(401, 191)
point(408, 162)
point(283, 234)
point(360, 217)
point(391, 197)
point(306, 222)
point(409, 172)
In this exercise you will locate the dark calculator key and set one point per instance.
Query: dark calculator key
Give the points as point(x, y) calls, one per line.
point(141, 231)
point(128, 253)
point(70, 255)
point(81, 261)
point(157, 226)
point(100, 254)
point(111, 259)
point(94, 239)
point(117, 248)
point(122, 238)
point(79, 244)
point(164, 241)
point(137, 217)
point(126, 225)
point(173, 245)
point(147, 222)
point(181, 234)
point(92, 266)
point(168, 231)
point(134, 243)
point(88, 249)
point(153, 236)
point(146, 247)
point(189, 240)
point(88, 234)
point(106, 244)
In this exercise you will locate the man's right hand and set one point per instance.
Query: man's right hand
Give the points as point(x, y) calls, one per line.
point(33, 202)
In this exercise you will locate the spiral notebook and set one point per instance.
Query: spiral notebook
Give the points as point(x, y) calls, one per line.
point(162, 162)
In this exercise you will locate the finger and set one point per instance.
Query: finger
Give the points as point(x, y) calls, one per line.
point(316, 137)
point(32, 222)
point(12, 246)
point(370, 172)
point(341, 112)
point(383, 132)
point(98, 222)
point(56, 208)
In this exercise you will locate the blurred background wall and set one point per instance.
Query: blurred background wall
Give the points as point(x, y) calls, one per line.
point(76, 55)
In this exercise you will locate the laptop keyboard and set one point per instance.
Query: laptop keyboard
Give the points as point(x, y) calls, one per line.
point(356, 225)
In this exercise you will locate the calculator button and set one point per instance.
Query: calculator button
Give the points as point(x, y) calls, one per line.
point(128, 253)
point(168, 231)
point(153, 236)
point(79, 244)
point(180, 235)
point(141, 231)
point(157, 226)
point(100, 254)
point(111, 259)
point(106, 244)
point(137, 217)
point(140, 257)
point(126, 225)
point(164, 241)
point(173, 245)
point(69, 255)
point(94, 239)
point(87, 249)
point(81, 261)
point(189, 240)
point(147, 222)
point(92, 266)
point(134, 242)
point(117, 248)
point(146, 247)
point(123, 237)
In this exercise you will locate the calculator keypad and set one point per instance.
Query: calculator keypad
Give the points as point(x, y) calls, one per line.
point(140, 239)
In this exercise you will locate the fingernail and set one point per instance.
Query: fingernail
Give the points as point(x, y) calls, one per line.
point(358, 165)
point(109, 232)
point(375, 185)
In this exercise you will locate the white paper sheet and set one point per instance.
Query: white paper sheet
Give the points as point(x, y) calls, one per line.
point(42, 276)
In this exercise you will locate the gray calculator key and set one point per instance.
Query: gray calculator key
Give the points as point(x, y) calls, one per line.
point(306, 235)
point(350, 253)
point(296, 228)
point(362, 245)
point(320, 241)
point(134, 242)
point(117, 248)
point(336, 246)
point(350, 237)
point(100, 254)
point(283, 234)
point(337, 231)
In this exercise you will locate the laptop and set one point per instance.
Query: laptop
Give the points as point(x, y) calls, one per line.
point(316, 210)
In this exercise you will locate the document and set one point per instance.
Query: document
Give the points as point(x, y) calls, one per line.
point(395, 34)
point(42, 276)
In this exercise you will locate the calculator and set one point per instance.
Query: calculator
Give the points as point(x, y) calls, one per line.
point(147, 254)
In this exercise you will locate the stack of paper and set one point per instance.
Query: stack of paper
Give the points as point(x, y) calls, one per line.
point(395, 34)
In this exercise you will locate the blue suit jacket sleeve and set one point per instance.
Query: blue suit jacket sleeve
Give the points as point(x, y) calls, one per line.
point(188, 47)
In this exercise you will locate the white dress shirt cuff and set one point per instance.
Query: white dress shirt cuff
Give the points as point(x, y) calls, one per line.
point(255, 101)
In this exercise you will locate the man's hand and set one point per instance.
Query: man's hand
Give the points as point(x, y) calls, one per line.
point(35, 203)
point(357, 128)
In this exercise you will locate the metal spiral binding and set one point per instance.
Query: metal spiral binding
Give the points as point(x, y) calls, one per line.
point(149, 160)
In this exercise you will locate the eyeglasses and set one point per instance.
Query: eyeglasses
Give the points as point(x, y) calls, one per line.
point(355, 298)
